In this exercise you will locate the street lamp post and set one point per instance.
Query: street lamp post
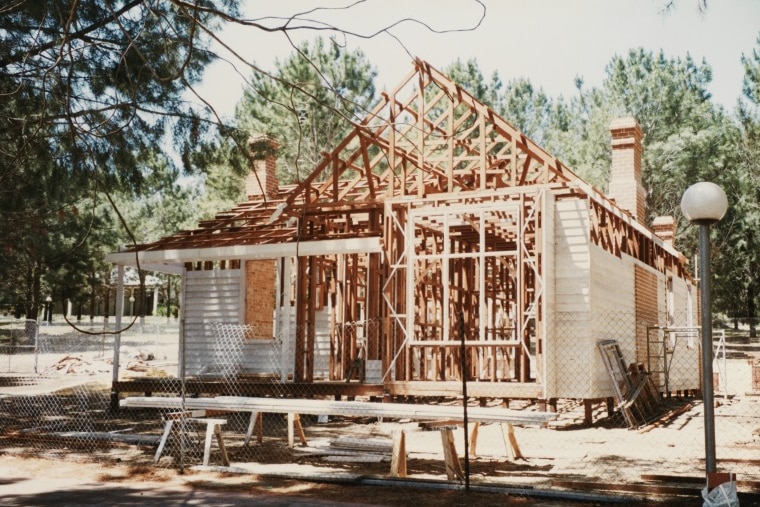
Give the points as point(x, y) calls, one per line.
point(703, 204)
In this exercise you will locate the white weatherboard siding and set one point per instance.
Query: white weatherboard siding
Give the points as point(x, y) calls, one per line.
point(570, 332)
point(548, 370)
point(593, 300)
point(210, 296)
point(684, 303)
point(613, 314)
point(217, 296)
point(322, 344)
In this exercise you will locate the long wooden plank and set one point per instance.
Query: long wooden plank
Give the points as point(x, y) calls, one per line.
point(346, 408)
point(467, 343)
point(525, 390)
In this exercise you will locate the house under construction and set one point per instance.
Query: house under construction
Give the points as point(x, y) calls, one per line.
point(434, 230)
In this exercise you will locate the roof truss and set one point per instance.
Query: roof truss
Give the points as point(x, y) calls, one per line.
point(427, 136)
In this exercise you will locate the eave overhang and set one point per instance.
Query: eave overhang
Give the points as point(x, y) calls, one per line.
point(171, 261)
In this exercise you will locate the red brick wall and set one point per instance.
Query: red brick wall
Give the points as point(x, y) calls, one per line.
point(665, 228)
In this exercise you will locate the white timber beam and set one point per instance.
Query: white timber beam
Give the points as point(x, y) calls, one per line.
point(163, 260)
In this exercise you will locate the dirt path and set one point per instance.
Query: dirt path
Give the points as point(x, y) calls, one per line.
point(39, 482)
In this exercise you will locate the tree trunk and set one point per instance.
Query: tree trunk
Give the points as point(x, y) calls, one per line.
point(168, 299)
point(752, 309)
point(33, 299)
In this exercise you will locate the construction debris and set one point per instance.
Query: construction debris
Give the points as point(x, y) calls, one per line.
point(75, 365)
point(636, 396)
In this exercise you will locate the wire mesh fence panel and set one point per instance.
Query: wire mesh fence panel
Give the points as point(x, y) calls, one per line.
point(60, 400)
point(18, 345)
point(307, 401)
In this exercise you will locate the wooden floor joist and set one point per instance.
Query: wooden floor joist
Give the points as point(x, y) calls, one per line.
point(245, 387)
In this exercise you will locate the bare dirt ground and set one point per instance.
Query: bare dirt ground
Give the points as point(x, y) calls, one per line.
point(32, 481)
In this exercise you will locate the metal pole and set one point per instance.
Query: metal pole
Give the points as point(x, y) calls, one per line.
point(117, 337)
point(181, 298)
point(707, 347)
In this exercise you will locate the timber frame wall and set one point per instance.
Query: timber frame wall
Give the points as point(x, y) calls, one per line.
point(457, 200)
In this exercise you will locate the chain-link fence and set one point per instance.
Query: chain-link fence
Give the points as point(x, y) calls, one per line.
point(624, 398)
point(55, 393)
point(18, 344)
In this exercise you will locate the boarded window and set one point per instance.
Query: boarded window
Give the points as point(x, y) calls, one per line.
point(260, 297)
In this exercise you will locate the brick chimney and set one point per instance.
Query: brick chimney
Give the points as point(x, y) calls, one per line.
point(262, 180)
point(665, 228)
point(625, 174)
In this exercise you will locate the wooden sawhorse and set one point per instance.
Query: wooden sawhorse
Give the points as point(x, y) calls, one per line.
point(256, 424)
point(213, 428)
point(450, 457)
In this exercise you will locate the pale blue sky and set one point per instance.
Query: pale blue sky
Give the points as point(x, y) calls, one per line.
point(549, 42)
